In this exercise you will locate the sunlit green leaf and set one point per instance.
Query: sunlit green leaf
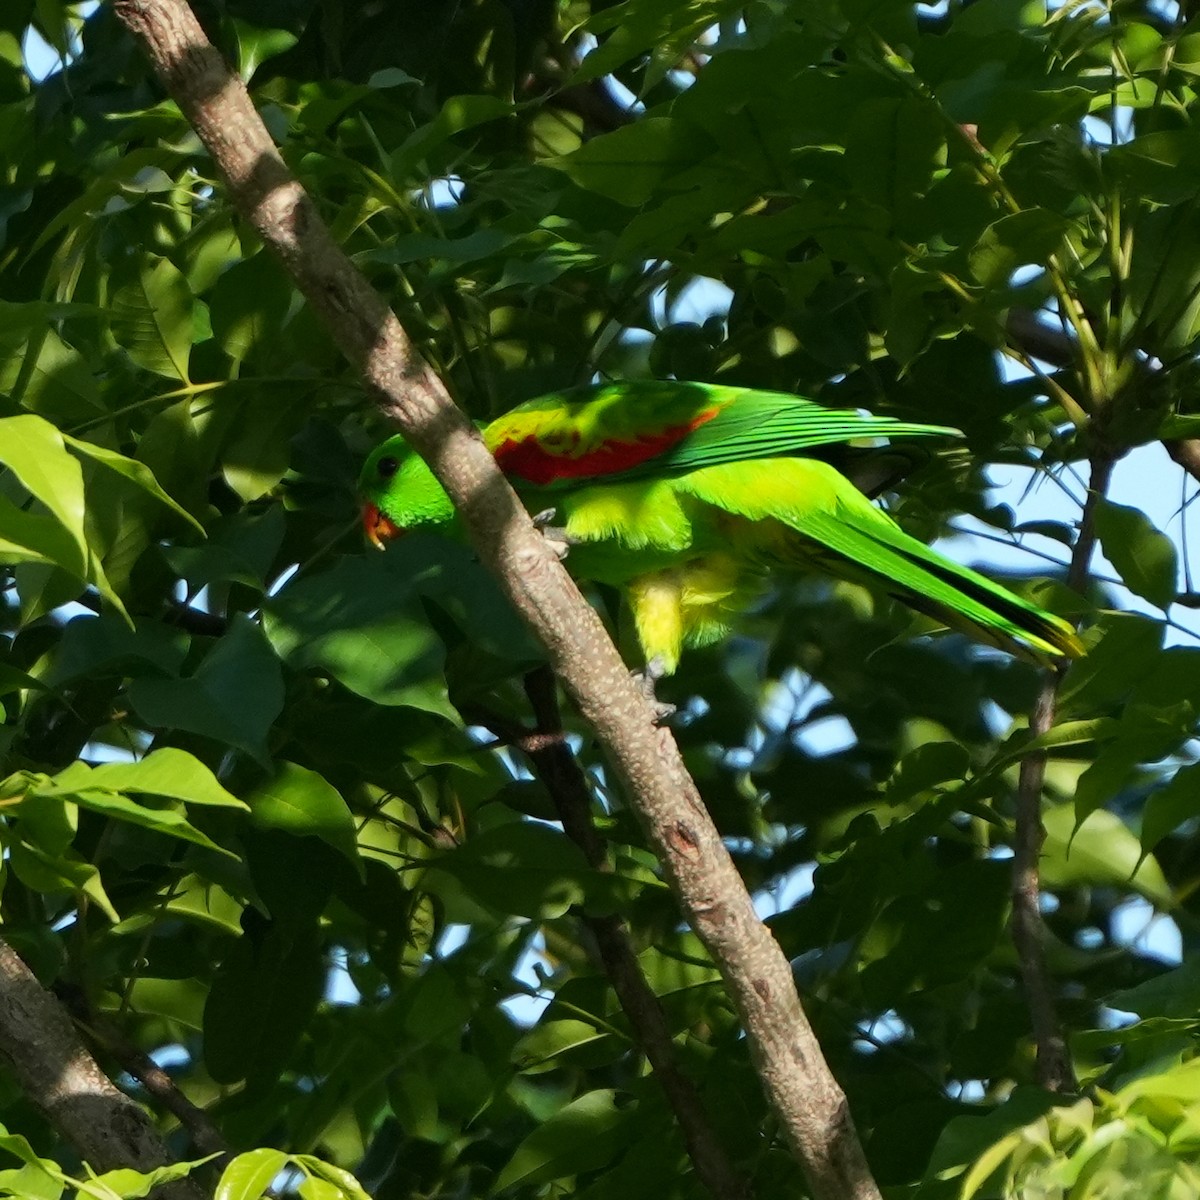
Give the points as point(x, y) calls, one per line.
point(1103, 850)
point(59, 873)
point(136, 472)
point(35, 453)
point(250, 1174)
point(165, 772)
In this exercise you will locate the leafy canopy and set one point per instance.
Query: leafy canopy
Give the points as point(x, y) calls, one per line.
point(249, 812)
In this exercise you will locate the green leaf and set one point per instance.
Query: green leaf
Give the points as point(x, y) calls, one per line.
point(926, 766)
point(967, 1137)
point(414, 1105)
point(43, 588)
point(48, 822)
point(1143, 557)
point(457, 114)
point(1017, 240)
point(197, 899)
point(1171, 994)
point(16, 1144)
point(256, 45)
point(262, 1000)
point(580, 1137)
point(1059, 737)
point(341, 1180)
point(34, 537)
point(377, 643)
point(153, 316)
point(1122, 650)
point(543, 1045)
point(59, 873)
point(665, 30)
point(31, 1182)
point(130, 1184)
point(12, 679)
point(233, 697)
point(1171, 805)
point(366, 623)
point(522, 867)
point(249, 306)
point(169, 821)
point(241, 549)
point(1102, 850)
point(38, 1179)
point(102, 646)
point(312, 1188)
point(257, 457)
point(35, 453)
point(250, 1175)
point(137, 473)
point(166, 772)
point(893, 148)
point(629, 164)
point(302, 803)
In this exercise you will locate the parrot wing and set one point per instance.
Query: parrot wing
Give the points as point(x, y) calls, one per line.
point(858, 541)
point(646, 429)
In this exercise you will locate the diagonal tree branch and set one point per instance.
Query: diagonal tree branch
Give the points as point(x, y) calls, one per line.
point(106, 1035)
point(40, 1046)
point(809, 1102)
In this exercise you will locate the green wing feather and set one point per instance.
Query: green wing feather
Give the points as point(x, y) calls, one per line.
point(651, 429)
point(776, 425)
point(856, 540)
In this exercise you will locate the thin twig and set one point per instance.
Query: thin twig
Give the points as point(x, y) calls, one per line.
point(1054, 1069)
point(1059, 349)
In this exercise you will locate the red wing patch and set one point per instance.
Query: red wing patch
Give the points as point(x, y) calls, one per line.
point(535, 462)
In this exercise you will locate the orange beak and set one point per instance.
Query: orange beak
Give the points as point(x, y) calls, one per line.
point(379, 529)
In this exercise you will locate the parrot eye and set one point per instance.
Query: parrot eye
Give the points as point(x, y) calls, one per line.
point(388, 467)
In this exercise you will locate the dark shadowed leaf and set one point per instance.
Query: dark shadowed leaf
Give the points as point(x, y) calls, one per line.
point(1144, 557)
point(580, 1137)
point(298, 801)
point(234, 695)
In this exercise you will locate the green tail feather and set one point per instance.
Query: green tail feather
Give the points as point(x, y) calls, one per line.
point(924, 580)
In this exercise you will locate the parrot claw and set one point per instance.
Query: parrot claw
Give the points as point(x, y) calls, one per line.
point(556, 535)
point(647, 681)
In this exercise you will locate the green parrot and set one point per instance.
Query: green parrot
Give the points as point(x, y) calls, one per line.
point(688, 497)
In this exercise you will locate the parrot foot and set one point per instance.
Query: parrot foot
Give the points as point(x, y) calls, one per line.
point(647, 681)
point(559, 539)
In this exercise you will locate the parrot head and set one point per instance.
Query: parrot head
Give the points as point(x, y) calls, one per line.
point(400, 493)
